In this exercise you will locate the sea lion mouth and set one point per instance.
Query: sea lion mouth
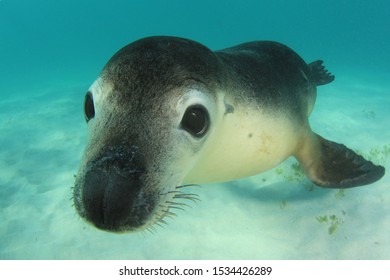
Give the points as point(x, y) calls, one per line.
point(114, 193)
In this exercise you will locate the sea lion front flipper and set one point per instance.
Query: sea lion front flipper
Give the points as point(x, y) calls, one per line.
point(332, 165)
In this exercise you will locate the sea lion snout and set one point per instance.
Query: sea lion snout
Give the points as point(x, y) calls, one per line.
point(113, 193)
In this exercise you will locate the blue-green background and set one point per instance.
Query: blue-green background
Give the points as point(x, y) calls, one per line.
point(47, 41)
point(51, 51)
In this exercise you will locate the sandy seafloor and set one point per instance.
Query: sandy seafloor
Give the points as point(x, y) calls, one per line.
point(48, 61)
point(275, 215)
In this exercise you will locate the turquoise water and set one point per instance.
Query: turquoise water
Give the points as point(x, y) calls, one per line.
point(50, 53)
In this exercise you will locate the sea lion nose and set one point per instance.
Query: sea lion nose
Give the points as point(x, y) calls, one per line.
point(112, 192)
point(108, 199)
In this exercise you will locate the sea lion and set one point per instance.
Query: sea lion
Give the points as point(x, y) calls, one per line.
point(167, 111)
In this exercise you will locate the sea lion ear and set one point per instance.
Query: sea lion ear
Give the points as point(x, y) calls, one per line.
point(332, 165)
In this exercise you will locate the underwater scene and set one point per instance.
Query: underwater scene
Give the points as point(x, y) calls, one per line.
point(51, 52)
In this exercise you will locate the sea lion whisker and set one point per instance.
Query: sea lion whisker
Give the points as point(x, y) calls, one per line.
point(162, 222)
point(170, 214)
point(186, 194)
point(176, 207)
point(177, 204)
point(187, 186)
point(195, 200)
point(151, 228)
point(159, 224)
point(190, 196)
point(174, 192)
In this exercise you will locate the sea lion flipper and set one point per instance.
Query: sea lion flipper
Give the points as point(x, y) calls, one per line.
point(320, 75)
point(332, 165)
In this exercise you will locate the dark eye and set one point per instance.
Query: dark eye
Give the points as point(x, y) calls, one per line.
point(196, 120)
point(89, 108)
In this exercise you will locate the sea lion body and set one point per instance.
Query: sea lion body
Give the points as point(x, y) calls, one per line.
point(167, 111)
point(269, 104)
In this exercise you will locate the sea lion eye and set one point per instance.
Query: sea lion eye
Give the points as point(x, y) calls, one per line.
point(89, 108)
point(196, 120)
